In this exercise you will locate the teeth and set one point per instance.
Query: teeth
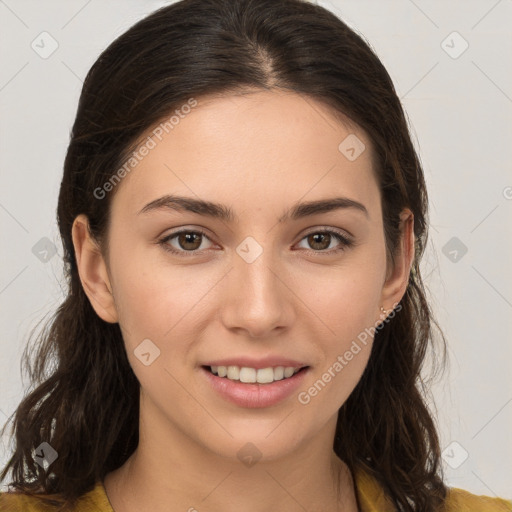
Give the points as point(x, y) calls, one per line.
point(233, 372)
point(248, 375)
point(288, 372)
point(278, 373)
point(252, 375)
point(264, 375)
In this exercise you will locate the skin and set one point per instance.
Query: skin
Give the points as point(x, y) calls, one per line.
point(259, 154)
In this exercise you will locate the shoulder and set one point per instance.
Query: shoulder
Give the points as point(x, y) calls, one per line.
point(93, 501)
point(459, 500)
point(372, 498)
point(18, 502)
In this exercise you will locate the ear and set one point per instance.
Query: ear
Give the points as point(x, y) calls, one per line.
point(93, 270)
point(398, 276)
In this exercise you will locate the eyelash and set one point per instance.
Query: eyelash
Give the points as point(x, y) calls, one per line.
point(345, 242)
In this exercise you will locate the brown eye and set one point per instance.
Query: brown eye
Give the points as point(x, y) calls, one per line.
point(189, 241)
point(321, 241)
point(185, 242)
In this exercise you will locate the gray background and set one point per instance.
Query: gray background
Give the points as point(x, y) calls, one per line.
point(460, 109)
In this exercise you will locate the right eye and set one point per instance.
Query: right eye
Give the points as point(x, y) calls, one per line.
point(187, 241)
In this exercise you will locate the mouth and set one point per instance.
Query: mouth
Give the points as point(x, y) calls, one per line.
point(248, 375)
point(250, 387)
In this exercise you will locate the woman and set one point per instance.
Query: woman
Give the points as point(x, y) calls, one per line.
point(243, 217)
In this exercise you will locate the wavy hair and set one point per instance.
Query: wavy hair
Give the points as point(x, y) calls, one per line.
point(84, 396)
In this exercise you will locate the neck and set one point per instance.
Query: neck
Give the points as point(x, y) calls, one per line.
point(170, 472)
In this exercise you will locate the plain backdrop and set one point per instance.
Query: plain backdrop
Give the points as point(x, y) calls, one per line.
point(450, 62)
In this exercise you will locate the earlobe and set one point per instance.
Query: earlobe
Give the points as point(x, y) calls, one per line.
point(93, 271)
point(396, 283)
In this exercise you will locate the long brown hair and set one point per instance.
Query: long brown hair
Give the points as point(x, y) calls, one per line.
point(84, 398)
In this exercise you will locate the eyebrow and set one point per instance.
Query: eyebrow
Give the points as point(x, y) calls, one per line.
point(225, 213)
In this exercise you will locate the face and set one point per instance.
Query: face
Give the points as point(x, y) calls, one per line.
point(257, 282)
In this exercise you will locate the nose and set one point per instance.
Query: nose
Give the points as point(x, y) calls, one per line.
point(257, 299)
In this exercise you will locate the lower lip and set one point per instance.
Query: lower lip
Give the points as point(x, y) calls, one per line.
point(255, 395)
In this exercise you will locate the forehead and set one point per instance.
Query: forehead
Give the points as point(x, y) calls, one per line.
point(257, 148)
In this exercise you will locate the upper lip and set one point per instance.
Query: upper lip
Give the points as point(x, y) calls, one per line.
point(249, 362)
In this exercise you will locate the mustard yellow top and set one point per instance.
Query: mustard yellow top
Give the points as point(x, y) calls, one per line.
point(370, 494)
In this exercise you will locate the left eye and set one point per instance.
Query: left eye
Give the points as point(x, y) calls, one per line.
point(321, 240)
point(191, 241)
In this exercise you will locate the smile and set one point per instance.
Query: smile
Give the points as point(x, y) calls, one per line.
point(249, 387)
point(252, 375)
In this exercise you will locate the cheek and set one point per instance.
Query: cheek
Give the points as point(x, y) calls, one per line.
point(347, 301)
point(156, 299)
point(347, 297)
point(346, 307)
